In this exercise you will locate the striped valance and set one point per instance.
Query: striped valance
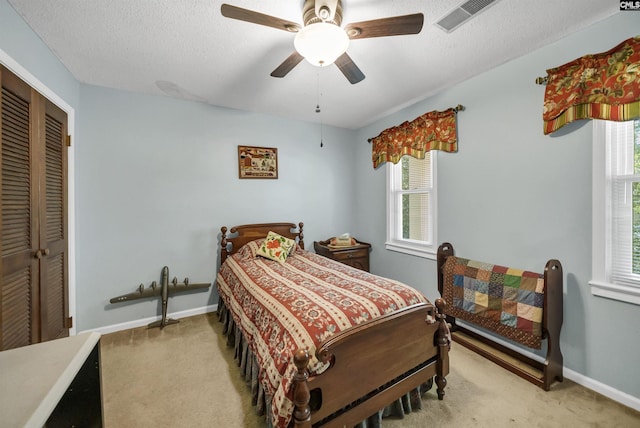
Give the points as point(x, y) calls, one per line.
point(599, 86)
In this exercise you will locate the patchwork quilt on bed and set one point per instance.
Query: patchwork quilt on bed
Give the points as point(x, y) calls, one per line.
point(282, 307)
point(505, 300)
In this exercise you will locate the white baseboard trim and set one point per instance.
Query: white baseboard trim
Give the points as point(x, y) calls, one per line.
point(145, 321)
point(603, 389)
point(592, 384)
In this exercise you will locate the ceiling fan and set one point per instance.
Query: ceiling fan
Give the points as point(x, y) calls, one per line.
point(321, 40)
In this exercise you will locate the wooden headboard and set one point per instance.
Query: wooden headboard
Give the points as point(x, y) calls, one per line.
point(248, 232)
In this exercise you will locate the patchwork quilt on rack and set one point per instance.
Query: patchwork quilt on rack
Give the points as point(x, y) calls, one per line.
point(506, 300)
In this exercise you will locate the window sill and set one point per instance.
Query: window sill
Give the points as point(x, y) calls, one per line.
point(614, 291)
point(424, 252)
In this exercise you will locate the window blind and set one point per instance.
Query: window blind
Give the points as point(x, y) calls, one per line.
point(623, 176)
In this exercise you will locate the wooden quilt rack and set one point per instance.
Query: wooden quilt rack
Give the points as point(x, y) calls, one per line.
point(539, 373)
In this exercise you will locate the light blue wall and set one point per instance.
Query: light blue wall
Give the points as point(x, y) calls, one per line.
point(515, 197)
point(157, 178)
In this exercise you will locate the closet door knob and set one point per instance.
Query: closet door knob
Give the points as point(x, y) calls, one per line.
point(41, 253)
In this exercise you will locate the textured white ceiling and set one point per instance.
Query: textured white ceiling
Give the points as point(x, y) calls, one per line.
point(187, 49)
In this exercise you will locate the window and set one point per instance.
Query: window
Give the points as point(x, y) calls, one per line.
point(616, 210)
point(411, 206)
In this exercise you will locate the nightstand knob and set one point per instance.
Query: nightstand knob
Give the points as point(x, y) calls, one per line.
point(350, 255)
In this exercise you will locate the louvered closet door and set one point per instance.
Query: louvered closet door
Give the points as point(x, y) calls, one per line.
point(53, 224)
point(33, 228)
point(20, 297)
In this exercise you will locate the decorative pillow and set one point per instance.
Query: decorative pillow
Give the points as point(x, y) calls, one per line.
point(276, 247)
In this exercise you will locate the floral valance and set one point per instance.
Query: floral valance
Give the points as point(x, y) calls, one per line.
point(435, 130)
point(600, 86)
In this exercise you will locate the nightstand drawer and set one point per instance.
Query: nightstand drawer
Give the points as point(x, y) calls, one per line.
point(361, 263)
point(345, 255)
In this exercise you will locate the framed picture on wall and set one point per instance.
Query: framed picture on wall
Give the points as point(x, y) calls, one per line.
point(257, 162)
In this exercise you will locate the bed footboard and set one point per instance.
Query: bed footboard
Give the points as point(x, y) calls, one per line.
point(391, 364)
point(542, 374)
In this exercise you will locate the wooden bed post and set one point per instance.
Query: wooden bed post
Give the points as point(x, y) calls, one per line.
point(223, 244)
point(300, 235)
point(443, 341)
point(301, 393)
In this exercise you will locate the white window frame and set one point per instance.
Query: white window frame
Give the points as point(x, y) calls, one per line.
point(601, 284)
point(394, 241)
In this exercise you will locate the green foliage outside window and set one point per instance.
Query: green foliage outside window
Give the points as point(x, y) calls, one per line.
point(405, 198)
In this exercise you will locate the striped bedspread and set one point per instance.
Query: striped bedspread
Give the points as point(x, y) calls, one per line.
point(282, 307)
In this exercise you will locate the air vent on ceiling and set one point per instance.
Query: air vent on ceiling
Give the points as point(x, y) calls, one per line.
point(463, 13)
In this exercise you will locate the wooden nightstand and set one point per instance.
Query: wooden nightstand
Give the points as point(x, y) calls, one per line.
point(356, 256)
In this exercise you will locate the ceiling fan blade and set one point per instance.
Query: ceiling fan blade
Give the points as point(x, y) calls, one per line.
point(349, 69)
point(247, 15)
point(288, 64)
point(393, 26)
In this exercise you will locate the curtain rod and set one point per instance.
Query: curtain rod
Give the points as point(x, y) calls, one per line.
point(541, 80)
point(457, 108)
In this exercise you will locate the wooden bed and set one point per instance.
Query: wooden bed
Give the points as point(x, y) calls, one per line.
point(371, 364)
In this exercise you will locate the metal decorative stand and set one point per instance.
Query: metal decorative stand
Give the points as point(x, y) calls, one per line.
point(164, 290)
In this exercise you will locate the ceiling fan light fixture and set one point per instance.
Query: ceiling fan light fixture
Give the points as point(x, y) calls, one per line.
point(321, 43)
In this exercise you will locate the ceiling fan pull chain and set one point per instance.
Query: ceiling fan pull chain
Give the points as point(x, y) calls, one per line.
point(318, 90)
point(318, 110)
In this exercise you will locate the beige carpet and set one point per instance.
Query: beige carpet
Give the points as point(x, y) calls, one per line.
point(185, 376)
